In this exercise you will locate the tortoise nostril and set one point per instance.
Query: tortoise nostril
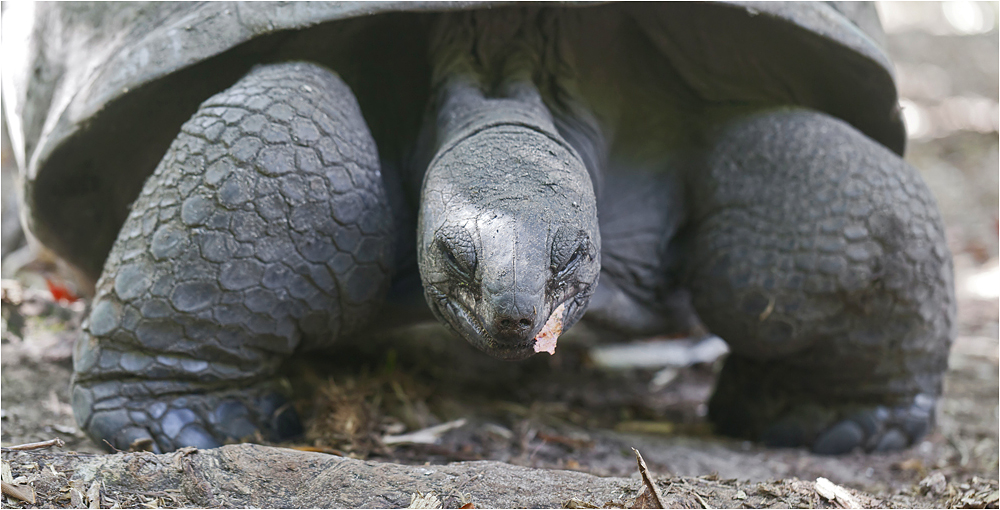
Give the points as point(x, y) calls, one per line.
point(514, 326)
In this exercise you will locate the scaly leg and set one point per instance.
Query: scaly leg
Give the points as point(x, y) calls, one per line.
point(265, 230)
point(820, 257)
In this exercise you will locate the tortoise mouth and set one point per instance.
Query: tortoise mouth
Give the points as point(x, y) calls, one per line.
point(465, 322)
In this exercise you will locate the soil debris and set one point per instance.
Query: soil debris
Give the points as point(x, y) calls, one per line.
point(835, 493)
point(935, 484)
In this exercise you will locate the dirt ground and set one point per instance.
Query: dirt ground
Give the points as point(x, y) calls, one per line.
point(568, 412)
point(551, 414)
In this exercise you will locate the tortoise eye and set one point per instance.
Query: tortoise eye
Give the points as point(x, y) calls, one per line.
point(451, 259)
point(450, 256)
point(568, 248)
point(458, 251)
point(572, 263)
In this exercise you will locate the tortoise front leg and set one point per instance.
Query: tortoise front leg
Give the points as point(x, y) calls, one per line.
point(819, 256)
point(265, 230)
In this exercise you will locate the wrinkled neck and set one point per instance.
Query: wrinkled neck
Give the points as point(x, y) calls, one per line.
point(465, 111)
point(508, 66)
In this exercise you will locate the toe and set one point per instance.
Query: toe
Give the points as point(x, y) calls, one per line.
point(840, 438)
point(195, 435)
point(893, 439)
point(138, 436)
point(233, 419)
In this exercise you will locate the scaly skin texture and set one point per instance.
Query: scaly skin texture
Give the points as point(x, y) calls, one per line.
point(820, 257)
point(263, 231)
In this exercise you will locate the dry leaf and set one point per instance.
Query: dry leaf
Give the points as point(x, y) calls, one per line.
point(421, 500)
point(645, 500)
point(650, 498)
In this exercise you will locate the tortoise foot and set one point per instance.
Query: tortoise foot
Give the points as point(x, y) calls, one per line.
point(171, 421)
point(781, 405)
point(872, 429)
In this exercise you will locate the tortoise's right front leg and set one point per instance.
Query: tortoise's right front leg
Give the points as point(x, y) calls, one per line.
point(820, 257)
point(264, 230)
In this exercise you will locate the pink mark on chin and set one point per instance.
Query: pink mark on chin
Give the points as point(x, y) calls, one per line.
point(545, 341)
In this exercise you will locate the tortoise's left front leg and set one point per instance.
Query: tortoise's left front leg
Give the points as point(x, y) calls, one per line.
point(264, 231)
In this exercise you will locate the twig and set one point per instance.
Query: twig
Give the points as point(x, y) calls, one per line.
point(430, 435)
point(647, 481)
point(112, 446)
point(702, 501)
point(696, 495)
point(35, 446)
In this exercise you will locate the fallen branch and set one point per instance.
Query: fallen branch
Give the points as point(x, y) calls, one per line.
point(35, 446)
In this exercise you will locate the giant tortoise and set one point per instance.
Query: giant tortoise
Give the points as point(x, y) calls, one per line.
point(247, 182)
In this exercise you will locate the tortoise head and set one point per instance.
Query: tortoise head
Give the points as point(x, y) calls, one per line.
point(508, 240)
